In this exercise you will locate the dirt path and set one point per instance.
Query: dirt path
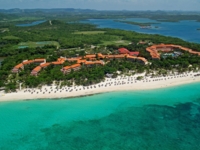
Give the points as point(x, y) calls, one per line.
point(50, 22)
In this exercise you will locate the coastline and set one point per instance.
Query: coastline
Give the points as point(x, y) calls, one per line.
point(121, 83)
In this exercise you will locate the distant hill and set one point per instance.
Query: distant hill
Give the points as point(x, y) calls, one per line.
point(57, 10)
point(72, 14)
point(18, 10)
point(4, 17)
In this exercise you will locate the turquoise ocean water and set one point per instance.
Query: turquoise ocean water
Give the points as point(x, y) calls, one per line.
point(153, 119)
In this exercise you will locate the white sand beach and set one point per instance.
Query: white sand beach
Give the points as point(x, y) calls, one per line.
point(121, 83)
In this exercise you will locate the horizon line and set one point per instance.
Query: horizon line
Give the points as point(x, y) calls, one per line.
point(153, 10)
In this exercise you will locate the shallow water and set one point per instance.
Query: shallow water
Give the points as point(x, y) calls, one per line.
point(186, 30)
point(153, 119)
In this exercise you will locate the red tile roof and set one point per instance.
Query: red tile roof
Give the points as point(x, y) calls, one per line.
point(126, 51)
point(115, 56)
point(138, 58)
point(134, 53)
point(123, 51)
point(153, 53)
point(40, 60)
point(19, 66)
point(61, 59)
point(37, 69)
point(73, 59)
point(66, 68)
point(132, 57)
point(28, 62)
point(75, 65)
point(71, 67)
point(57, 62)
point(142, 59)
point(153, 50)
point(45, 65)
point(100, 55)
point(93, 62)
point(81, 61)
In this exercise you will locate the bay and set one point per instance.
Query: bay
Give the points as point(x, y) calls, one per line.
point(186, 29)
point(152, 119)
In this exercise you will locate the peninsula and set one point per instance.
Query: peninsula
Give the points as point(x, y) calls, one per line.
point(142, 25)
point(79, 59)
point(130, 81)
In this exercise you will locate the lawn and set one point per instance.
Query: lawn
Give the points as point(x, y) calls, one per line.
point(116, 42)
point(10, 37)
point(37, 44)
point(89, 32)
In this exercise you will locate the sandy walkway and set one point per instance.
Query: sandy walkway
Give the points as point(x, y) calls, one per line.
point(118, 84)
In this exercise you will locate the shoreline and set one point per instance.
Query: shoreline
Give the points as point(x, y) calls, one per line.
point(121, 83)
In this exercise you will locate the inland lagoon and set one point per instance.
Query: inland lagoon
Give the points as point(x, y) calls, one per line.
point(186, 29)
point(167, 118)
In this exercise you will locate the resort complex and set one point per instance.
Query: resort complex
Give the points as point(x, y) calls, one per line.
point(155, 49)
point(87, 60)
point(100, 59)
point(20, 66)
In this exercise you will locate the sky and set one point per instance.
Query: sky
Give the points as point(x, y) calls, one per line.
point(184, 5)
